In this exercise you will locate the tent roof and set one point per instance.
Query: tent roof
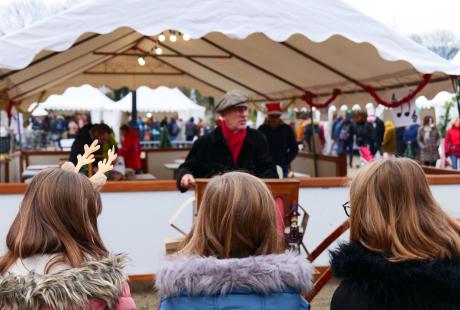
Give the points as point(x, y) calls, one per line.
point(270, 49)
point(162, 99)
point(84, 98)
point(456, 59)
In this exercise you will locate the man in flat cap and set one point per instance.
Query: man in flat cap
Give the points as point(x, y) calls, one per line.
point(231, 146)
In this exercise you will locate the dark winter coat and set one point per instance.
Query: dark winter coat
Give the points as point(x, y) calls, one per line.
point(282, 144)
point(83, 137)
point(364, 134)
point(370, 281)
point(210, 155)
point(380, 131)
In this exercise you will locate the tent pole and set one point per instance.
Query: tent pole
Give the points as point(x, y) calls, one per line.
point(456, 85)
point(312, 143)
point(134, 110)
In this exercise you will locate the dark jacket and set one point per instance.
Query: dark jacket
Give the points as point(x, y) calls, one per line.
point(370, 281)
point(210, 155)
point(380, 131)
point(282, 144)
point(83, 137)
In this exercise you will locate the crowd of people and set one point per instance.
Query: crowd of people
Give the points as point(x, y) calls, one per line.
point(398, 257)
point(48, 131)
point(403, 251)
point(367, 134)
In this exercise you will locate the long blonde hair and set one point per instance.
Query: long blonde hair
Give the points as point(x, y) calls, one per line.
point(237, 218)
point(393, 212)
point(58, 215)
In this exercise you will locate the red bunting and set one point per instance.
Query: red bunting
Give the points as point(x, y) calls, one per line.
point(426, 79)
point(308, 96)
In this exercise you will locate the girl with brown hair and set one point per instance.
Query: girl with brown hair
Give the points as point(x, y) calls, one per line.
point(55, 256)
point(233, 257)
point(404, 250)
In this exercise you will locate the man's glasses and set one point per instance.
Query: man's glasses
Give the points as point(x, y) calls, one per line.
point(346, 208)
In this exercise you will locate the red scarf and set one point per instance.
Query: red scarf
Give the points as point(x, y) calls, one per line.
point(234, 140)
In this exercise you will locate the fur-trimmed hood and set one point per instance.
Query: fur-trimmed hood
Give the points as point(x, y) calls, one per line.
point(194, 275)
point(102, 279)
point(431, 284)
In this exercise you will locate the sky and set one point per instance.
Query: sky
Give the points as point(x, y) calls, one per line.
point(412, 16)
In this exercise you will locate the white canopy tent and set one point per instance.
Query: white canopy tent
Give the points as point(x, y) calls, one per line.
point(84, 98)
point(270, 49)
point(162, 100)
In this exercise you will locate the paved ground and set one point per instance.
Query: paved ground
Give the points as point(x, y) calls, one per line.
point(145, 297)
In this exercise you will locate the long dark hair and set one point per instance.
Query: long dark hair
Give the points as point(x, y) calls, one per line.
point(58, 215)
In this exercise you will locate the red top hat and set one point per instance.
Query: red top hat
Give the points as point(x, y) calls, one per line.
point(274, 108)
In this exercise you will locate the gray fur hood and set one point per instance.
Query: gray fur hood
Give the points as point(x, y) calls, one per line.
point(102, 279)
point(194, 275)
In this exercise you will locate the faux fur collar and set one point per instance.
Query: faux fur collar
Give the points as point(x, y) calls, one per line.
point(194, 275)
point(101, 279)
point(430, 284)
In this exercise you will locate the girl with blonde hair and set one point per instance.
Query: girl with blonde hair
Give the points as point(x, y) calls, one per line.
point(55, 257)
point(404, 250)
point(233, 256)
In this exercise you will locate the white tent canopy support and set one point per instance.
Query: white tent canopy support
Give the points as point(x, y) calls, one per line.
point(290, 46)
point(162, 100)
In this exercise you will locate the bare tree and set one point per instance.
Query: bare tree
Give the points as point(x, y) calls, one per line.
point(21, 13)
point(444, 43)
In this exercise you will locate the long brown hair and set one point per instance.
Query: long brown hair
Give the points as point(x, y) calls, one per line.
point(393, 212)
point(237, 218)
point(58, 215)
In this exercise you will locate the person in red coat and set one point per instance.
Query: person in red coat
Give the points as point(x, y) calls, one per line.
point(130, 148)
point(452, 143)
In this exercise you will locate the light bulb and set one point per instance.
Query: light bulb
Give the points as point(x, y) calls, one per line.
point(172, 38)
point(149, 115)
point(158, 51)
point(186, 37)
point(141, 61)
point(162, 37)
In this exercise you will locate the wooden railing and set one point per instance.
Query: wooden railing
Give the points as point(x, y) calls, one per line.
point(323, 277)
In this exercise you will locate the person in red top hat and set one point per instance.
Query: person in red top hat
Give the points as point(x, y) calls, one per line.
point(281, 138)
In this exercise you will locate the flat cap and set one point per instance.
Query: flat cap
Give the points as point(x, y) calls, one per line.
point(233, 98)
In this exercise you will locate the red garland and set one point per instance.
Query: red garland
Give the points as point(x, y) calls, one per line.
point(308, 96)
point(409, 97)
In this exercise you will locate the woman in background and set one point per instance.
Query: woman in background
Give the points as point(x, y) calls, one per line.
point(428, 140)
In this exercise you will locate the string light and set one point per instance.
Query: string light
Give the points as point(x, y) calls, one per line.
point(172, 37)
point(162, 37)
point(158, 50)
point(141, 61)
point(186, 37)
